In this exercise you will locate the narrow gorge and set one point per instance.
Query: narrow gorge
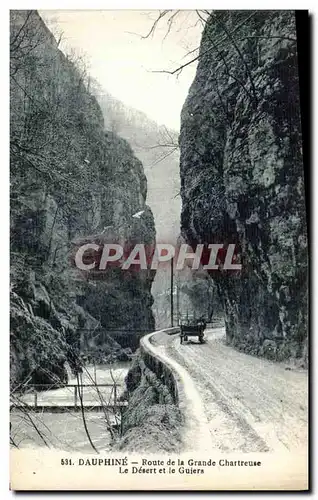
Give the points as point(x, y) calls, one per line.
point(88, 168)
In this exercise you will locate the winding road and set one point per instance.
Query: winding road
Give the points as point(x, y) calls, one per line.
point(251, 404)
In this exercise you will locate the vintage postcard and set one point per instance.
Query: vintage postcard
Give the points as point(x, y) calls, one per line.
point(159, 279)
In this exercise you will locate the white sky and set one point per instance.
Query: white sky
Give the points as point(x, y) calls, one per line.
point(123, 62)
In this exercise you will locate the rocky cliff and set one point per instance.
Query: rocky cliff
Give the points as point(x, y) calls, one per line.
point(242, 175)
point(157, 148)
point(69, 179)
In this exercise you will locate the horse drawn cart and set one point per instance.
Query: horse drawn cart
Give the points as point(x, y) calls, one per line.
point(192, 327)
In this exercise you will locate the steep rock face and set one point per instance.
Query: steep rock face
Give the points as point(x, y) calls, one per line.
point(242, 175)
point(69, 179)
point(157, 148)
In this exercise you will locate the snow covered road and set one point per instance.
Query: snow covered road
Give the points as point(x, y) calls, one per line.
point(252, 404)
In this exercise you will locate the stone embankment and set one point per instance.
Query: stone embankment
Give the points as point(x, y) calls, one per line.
point(165, 411)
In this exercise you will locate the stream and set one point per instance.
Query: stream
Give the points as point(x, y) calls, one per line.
point(65, 431)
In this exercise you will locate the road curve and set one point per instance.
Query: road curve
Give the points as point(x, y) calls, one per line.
point(251, 404)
